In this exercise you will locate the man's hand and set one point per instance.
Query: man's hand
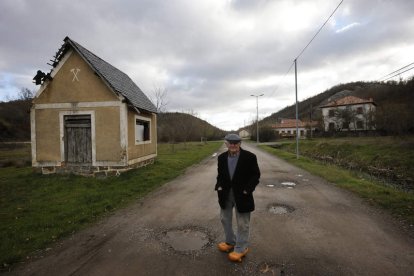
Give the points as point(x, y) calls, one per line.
point(219, 188)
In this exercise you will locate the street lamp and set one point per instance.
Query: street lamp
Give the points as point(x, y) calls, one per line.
point(257, 116)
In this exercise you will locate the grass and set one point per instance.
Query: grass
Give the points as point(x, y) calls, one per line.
point(388, 158)
point(399, 202)
point(37, 210)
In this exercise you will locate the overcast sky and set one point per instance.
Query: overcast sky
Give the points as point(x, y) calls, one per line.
point(211, 55)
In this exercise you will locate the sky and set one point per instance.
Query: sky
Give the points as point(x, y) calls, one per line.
point(212, 55)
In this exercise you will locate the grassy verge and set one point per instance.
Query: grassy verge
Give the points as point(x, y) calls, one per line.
point(36, 210)
point(388, 158)
point(398, 202)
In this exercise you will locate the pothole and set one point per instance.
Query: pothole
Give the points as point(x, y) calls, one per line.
point(186, 240)
point(280, 209)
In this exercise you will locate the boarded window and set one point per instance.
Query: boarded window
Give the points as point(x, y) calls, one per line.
point(78, 142)
point(331, 113)
point(360, 110)
point(142, 130)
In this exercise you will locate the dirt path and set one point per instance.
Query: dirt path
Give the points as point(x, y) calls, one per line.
point(312, 228)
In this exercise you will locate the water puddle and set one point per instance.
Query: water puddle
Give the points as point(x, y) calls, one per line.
point(279, 209)
point(270, 185)
point(288, 184)
point(186, 240)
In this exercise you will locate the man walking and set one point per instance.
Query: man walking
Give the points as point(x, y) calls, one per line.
point(238, 175)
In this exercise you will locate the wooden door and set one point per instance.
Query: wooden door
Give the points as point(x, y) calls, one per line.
point(78, 141)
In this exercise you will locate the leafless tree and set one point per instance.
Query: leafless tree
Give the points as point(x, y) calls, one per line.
point(25, 94)
point(159, 98)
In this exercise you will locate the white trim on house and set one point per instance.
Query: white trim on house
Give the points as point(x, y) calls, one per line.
point(150, 131)
point(33, 135)
point(123, 124)
point(62, 133)
point(78, 105)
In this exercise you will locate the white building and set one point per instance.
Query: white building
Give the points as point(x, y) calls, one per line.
point(287, 128)
point(349, 113)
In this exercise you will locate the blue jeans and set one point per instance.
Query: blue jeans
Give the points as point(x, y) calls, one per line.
point(240, 241)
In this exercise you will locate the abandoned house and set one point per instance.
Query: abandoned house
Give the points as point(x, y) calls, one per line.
point(349, 113)
point(90, 118)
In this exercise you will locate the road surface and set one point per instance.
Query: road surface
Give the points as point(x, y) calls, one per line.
point(312, 228)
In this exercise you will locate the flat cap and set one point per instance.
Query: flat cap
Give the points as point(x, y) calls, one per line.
point(232, 137)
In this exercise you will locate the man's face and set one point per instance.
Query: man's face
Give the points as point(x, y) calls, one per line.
point(233, 146)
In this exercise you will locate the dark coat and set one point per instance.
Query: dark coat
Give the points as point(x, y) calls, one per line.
point(245, 178)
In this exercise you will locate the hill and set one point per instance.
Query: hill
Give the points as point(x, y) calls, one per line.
point(183, 127)
point(15, 120)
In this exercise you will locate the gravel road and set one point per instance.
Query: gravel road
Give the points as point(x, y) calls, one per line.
point(302, 225)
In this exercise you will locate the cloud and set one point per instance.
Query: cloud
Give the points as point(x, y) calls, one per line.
point(348, 27)
point(212, 54)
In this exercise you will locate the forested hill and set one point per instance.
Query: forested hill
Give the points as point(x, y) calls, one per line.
point(181, 127)
point(15, 121)
point(394, 100)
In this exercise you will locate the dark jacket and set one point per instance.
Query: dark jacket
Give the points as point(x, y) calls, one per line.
point(245, 178)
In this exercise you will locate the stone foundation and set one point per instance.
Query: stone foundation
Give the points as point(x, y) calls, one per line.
point(93, 171)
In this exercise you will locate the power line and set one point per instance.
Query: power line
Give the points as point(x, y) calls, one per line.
point(396, 71)
point(318, 30)
point(399, 73)
point(284, 76)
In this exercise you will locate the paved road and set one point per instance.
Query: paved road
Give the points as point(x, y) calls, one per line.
point(174, 231)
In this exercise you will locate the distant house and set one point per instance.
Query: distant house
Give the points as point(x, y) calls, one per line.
point(244, 134)
point(287, 128)
point(349, 113)
point(89, 117)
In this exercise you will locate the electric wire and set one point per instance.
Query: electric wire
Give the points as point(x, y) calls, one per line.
point(395, 72)
point(293, 63)
point(319, 30)
point(399, 73)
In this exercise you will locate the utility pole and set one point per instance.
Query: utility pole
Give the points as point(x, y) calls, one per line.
point(257, 116)
point(297, 126)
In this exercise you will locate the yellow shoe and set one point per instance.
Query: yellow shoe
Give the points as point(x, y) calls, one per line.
point(237, 257)
point(225, 247)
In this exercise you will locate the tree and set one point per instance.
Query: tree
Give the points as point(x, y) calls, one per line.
point(159, 98)
point(25, 94)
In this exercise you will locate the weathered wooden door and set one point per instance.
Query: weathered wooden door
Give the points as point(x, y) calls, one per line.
point(78, 141)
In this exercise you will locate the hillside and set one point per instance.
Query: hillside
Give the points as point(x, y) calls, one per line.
point(181, 127)
point(394, 101)
point(15, 121)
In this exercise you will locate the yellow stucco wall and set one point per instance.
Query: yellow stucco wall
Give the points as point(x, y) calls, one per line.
point(86, 87)
point(108, 143)
point(47, 135)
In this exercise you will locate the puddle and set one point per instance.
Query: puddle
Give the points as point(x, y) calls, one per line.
point(279, 209)
point(270, 185)
point(288, 184)
point(186, 240)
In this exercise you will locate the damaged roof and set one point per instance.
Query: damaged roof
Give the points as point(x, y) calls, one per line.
point(117, 80)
